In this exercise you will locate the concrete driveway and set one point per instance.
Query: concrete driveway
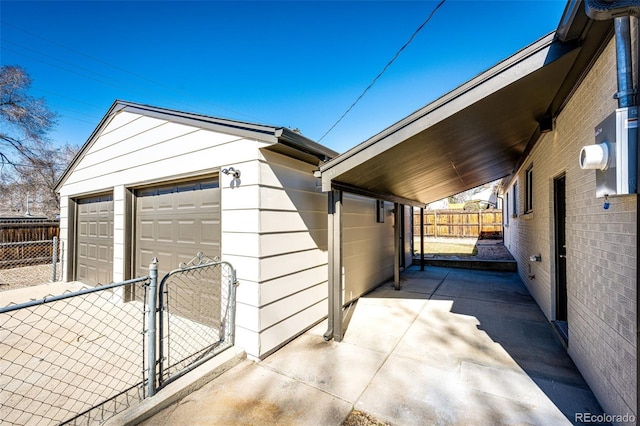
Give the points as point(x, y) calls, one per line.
point(453, 347)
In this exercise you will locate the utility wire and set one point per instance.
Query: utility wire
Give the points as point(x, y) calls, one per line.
point(384, 69)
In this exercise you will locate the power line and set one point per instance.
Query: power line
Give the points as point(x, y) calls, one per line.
point(384, 69)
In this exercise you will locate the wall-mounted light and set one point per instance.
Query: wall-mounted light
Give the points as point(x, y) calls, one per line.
point(231, 171)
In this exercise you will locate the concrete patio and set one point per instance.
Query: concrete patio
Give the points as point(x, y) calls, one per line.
point(453, 346)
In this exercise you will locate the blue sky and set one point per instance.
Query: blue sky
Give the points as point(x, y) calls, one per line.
point(298, 64)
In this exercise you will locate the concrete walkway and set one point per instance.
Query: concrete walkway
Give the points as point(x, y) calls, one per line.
point(453, 347)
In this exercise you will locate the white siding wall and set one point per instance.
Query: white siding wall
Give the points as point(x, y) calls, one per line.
point(601, 251)
point(367, 245)
point(408, 236)
point(274, 220)
point(275, 233)
point(134, 150)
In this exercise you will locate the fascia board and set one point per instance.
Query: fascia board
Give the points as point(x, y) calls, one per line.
point(507, 72)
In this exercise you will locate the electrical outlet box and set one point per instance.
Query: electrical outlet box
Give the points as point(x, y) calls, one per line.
point(615, 154)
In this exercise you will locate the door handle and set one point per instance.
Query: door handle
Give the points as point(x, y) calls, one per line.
point(564, 256)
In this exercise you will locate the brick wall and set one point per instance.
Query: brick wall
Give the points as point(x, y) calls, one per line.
point(601, 245)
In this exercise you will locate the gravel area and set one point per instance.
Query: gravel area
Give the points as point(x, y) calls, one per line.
point(25, 276)
point(492, 250)
point(359, 418)
point(486, 249)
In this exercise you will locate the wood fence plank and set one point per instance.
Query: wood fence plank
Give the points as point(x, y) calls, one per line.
point(461, 223)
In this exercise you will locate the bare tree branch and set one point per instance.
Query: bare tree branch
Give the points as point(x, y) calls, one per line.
point(34, 163)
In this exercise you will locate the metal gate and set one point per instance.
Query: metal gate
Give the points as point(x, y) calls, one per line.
point(196, 315)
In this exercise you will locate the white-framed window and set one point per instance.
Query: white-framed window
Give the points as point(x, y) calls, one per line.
point(506, 209)
point(528, 190)
point(514, 196)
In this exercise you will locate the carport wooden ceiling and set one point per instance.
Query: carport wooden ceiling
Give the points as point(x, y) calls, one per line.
point(473, 135)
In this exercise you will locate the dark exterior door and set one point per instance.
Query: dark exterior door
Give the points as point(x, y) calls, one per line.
point(560, 213)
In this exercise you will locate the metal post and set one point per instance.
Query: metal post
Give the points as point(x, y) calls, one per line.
point(422, 238)
point(396, 245)
point(54, 259)
point(232, 316)
point(335, 267)
point(151, 327)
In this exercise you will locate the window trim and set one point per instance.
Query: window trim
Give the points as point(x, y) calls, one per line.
point(515, 200)
point(506, 209)
point(528, 200)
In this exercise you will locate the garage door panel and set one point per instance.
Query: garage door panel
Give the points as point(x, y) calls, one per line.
point(145, 228)
point(174, 223)
point(103, 230)
point(103, 254)
point(210, 238)
point(187, 200)
point(94, 240)
point(164, 230)
point(174, 218)
point(92, 252)
point(188, 231)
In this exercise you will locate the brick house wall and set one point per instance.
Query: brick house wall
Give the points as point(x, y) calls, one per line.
point(601, 244)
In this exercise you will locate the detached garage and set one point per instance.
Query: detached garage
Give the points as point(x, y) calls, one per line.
point(152, 182)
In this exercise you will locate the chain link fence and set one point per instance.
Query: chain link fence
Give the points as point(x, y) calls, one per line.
point(196, 315)
point(84, 356)
point(76, 358)
point(29, 263)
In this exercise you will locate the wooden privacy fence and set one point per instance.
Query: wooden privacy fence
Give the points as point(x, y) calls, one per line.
point(25, 242)
point(460, 223)
point(21, 230)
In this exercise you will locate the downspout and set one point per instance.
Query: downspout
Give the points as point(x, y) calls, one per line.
point(625, 94)
point(621, 11)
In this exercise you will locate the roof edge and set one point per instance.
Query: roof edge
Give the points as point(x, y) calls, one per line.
point(510, 61)
point(267, 133)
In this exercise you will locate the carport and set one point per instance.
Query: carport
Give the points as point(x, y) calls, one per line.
point(475, 134)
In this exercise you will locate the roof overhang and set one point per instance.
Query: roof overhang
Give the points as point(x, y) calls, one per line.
point(475, 134)
point(281, 139)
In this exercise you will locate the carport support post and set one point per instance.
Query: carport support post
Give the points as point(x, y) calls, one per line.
point(151, 327)
point(422, 238)
point(335, 267)
point(397, 232)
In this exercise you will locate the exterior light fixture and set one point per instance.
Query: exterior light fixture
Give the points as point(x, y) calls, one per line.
point(231, 171)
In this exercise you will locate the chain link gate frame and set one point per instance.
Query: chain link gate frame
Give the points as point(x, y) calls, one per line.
point(196, 316)
point(40, 350)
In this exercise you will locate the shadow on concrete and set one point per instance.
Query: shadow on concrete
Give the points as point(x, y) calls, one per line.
point(485, 334)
